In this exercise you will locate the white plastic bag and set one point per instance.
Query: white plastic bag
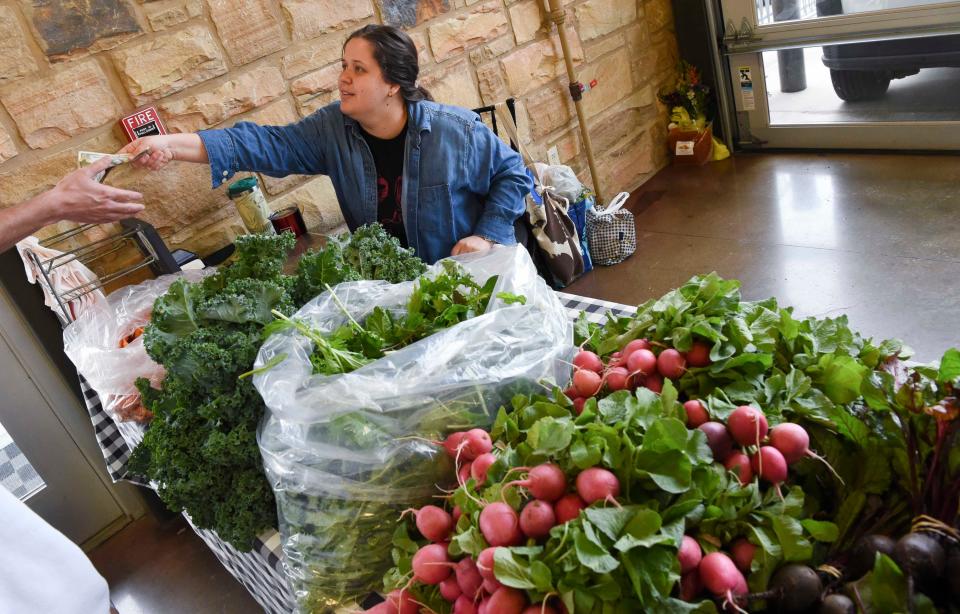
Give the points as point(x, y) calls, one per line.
point(342, 452)
point(562, 179)
point(93, 343)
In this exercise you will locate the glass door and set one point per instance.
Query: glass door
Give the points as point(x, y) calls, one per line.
point(861, 74)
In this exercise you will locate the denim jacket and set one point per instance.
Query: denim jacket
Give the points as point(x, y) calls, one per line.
point(459, 179)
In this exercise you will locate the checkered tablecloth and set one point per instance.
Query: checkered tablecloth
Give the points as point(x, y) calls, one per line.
point(261, 569)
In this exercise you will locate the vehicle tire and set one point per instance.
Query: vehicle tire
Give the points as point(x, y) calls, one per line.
point(857, 85)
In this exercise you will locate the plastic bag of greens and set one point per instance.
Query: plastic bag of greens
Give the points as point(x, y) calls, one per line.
point(345, 453)
point(106, 346)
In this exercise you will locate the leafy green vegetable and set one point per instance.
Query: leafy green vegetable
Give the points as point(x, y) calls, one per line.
point(369, 253)
point(201, 447)
point(343, 539)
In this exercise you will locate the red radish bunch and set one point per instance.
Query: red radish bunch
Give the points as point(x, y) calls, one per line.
point(739, 463)
point(430, 564)
point(716, 572)
point(721, 577)
point(433, 522)
point(747, 425)
point(767, 452)
point(633, 366)
point(618, 378)
point(633, 346)
point(568, 507)
point(586, 383)
point(537, 518)
point(466, 445)
point(689, 554)
point(696, 413)
point(742, 553)
point(671, 363)
point(769, 464)
point(546, 482)
point(793, 442)
point(469, 578)
point(642, 362)
point(480, 465)
point(500, 525)
point(597, 484)
point(699, 354)
point(588, 361)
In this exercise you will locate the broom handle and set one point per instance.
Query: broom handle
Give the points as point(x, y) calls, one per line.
point(556, 15)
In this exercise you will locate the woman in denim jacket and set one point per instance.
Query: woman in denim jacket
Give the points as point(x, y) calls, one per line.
point(434, 175)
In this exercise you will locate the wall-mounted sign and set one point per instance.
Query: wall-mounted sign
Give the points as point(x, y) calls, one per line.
point(142, 123)
point(746, 88)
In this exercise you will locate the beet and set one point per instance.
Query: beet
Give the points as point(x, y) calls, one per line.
point(837, 604)
point(719, 440)
point(799, 589)
point(921, 556)
point(865, 554)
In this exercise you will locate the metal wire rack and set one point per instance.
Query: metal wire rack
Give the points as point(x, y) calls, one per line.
point(134, 233)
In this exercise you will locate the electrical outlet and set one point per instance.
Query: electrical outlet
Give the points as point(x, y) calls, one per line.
point(553, 156)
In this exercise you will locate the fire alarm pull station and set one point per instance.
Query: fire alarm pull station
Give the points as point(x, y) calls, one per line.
point(142, 123)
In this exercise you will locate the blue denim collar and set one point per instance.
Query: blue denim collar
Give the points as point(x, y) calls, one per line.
point(418, 121)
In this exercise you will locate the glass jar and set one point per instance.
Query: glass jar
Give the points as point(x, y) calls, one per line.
point(251, 205)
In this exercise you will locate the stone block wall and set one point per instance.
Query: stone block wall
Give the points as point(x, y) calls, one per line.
point(69, 71)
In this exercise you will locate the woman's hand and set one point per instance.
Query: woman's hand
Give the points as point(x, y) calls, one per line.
point(164, 148)
point(158, 152)
point(473, 243)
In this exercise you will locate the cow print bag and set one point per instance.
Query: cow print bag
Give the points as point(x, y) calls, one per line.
point(546, 229)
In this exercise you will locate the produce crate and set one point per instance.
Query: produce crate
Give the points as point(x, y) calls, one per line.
point(261, 571)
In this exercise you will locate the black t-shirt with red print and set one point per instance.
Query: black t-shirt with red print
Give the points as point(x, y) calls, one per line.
point(388, 159)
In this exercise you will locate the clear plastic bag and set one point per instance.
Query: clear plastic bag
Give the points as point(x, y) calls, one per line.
point(562, 179)
point(108, 352)
point(344, 453)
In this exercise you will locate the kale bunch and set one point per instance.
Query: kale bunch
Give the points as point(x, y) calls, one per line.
point(369, 253)
point(201, 448)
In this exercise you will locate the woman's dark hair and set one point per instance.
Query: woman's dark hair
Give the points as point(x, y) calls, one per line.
point(396, 54)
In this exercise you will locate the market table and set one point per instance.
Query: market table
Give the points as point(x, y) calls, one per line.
point(261, 570)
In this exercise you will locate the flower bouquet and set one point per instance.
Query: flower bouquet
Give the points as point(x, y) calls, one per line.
point(691, 137)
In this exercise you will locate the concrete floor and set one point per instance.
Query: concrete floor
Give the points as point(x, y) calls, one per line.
point(164, 568)
point(874, 236)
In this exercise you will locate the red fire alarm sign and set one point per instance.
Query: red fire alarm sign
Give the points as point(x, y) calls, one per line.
point(142, 123)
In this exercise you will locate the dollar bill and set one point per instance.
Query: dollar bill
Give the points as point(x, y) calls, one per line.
point(86, 158)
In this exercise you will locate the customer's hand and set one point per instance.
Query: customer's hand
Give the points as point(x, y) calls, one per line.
point(473, 243)
point(79, 198)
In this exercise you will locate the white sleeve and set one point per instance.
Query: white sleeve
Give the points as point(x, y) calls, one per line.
point(43, 571)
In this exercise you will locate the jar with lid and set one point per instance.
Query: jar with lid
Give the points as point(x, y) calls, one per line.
point(251, 205)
